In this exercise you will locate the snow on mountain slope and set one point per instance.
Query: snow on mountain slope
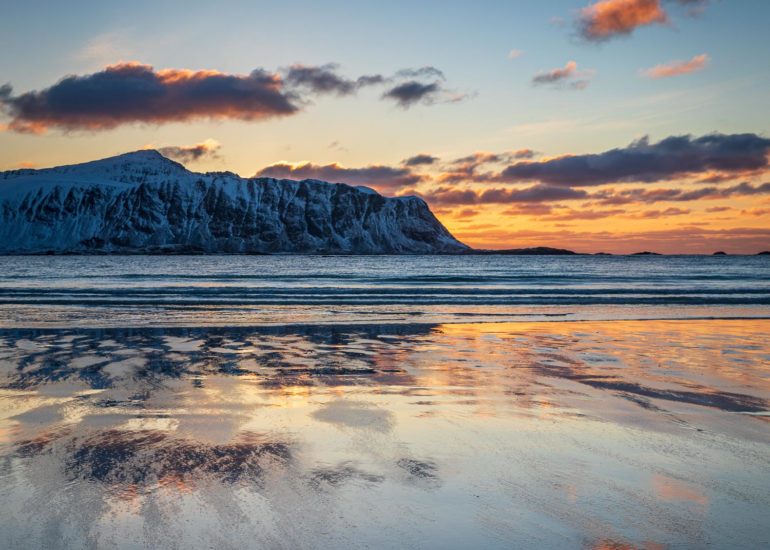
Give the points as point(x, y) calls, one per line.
point(144, 202)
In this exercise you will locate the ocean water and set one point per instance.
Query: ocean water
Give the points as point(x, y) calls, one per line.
point(256, 290)
point(384, 402)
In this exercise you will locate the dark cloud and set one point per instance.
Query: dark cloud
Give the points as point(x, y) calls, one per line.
point(606, 19)
point(447, 196)
point(129, 93)
point(567, 76)
point(466, 168)
point(477, 159)
point(385, 178)
point(555, 75)
point(418, 160)
point(321, 80)
point(628, 196)
point(423, 72)
point(482, 157)
point(191, 153)
point(420, 86)
point(408, 87)
point(666, 213)
point(756, 211)
point(325, 80)
point(534, 194)
point(134, 93)
point(412, 92)
point(642, 161)
point(370, 80)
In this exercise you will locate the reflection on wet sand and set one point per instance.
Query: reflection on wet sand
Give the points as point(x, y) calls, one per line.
point(597, 434)
point(139, 458)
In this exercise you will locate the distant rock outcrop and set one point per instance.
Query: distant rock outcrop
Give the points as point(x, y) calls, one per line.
point(536, 251)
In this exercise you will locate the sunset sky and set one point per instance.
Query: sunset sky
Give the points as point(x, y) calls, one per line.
point(615, 126)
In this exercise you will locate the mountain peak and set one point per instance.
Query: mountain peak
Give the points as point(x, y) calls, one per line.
point(143, 154)
point(142, 157)
point(144, 160)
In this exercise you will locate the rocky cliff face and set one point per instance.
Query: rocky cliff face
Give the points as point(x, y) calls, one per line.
point(144, 202)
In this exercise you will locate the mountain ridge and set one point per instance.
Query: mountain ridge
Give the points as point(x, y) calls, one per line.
point(143, 202)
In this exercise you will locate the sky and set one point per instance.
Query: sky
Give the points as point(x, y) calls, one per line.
point(600, 126)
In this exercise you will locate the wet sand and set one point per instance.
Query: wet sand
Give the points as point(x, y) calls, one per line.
point(599, 434)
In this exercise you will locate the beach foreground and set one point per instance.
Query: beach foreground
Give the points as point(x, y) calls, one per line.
point(648, 433)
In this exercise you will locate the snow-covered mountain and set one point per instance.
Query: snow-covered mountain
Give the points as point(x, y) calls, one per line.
point(144, 202)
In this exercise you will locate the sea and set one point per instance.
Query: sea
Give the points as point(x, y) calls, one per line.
point(597, 402)
point(94, 291)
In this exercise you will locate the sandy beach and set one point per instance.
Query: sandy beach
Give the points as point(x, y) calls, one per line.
point(649, 434)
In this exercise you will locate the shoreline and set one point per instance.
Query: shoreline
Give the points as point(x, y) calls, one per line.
point(369, 323)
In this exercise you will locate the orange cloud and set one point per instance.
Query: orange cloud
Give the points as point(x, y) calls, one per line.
point(608, 18)
point(466, 213)
point(677, 68)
